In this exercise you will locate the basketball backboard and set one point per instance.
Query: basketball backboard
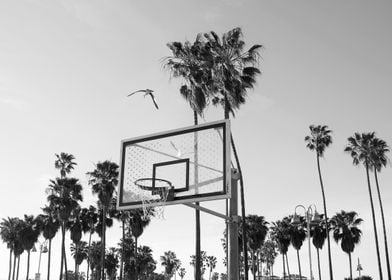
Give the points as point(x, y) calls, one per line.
point(192, 164)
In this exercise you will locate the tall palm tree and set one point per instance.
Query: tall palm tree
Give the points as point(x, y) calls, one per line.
point(188, 63)
point(137, 223)
point(49, 228)
point(318, 234)
point(103, 181)
point(379, 159)
point(360, 148)
point(29, 236)
point(318, 140)
point(122, 216)
point(64, 197)
point(234, 72)
point(211, 263)
point(89, 217)
point(65, 164)
point(257, 229)
point(298, 236)
point(280, 233)
point(345, 229)
point(170, 262)
point(8, 233)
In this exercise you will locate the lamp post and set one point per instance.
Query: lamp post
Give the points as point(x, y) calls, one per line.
point(311, 216)
point(42, 249)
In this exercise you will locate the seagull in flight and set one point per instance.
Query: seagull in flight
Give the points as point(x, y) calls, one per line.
point(148, 92)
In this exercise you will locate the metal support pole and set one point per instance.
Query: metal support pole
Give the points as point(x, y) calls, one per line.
point(234, 260)
point(308, 217)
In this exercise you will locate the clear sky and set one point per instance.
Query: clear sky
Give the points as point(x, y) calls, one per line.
point(66, 67)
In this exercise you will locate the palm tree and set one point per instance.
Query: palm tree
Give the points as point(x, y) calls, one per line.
point(280, 233)
point(65, 164)
point(257, 229)
point(64, 196)
point(345, 229)
point(103, 180)
point(29, 236)
point(268, 254)
point(8, 233)
point(181, 272)
point(298, 236)
point(234, 71)
point(360, 148)
point(123, 216)
point(76, 228)
point(137, 223)
point(145, 262)
point(318, 140)
point(49, 228)
point(80, 253)
point(111, 263)
point(170, 262)
point(188, 62)
point(89, 217)
point(378, 161)
point(318, 234)
point(211, 263)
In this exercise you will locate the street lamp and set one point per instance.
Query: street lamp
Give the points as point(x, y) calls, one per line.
point(312, 217)
point(42, 249)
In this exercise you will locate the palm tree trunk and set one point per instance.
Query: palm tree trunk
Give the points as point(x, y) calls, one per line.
point(10, 265)
point(288, 267)
point(299, 265)
point(17, 269)
point(28, 265)
point(88, 256)
point(325, 219)
point(351, 268)
point(197, 212)
point(136, 272)
point(318, 262)
point(62, 250)
point(103, 242)
point(253, 265)
point(13, 270)
point(374, 221)
point(122, 250)
point(49, 255)
point(284, 269)
point(243, 223)
point(383, 226)
point(76, 265)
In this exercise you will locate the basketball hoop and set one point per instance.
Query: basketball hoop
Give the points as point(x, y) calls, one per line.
point(161, 191)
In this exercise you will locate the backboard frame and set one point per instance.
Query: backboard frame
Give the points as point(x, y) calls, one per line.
point(224, 194)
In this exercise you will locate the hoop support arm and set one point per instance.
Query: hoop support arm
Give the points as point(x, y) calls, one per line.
point(198, 207)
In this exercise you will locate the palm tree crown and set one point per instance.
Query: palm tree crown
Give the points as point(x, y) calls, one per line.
point(319, 139)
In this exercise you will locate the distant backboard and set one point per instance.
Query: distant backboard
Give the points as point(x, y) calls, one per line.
point(192, 162)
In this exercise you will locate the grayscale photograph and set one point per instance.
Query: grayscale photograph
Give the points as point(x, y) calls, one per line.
point(195, 140)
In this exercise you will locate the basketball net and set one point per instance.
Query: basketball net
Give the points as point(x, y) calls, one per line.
point(156, 211)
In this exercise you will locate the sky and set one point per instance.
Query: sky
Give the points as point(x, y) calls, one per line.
point(66, 68)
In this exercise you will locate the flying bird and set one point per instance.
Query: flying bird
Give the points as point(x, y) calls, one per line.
point(148, 92)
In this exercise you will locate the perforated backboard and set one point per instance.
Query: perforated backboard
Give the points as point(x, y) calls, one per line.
point(195, 160)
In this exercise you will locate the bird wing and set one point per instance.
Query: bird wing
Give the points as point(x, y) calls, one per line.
point(140, 90)
point(153, 100)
